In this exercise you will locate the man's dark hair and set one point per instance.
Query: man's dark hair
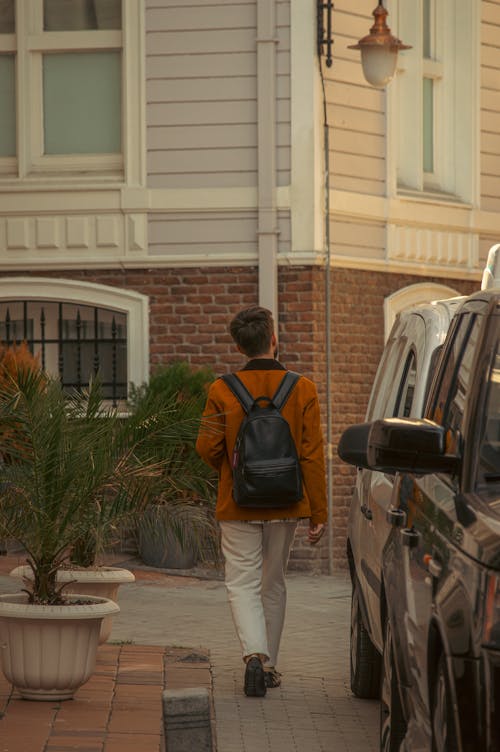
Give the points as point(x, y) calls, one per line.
point(252, 330)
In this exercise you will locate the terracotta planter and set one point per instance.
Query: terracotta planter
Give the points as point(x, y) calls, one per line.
point(48, 652)
point(102, 583)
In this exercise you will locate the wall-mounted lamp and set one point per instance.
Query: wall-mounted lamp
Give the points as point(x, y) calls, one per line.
point(379, 50)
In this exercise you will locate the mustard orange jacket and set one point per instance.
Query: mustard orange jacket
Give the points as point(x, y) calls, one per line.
point(221, 420)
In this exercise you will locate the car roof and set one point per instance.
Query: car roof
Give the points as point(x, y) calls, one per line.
point(436, 313)
point(491, 293)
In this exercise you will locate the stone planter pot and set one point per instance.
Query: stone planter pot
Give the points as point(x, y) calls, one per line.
point(48, 652)
point(102, 583)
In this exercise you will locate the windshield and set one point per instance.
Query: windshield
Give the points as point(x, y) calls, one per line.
point(489, 456)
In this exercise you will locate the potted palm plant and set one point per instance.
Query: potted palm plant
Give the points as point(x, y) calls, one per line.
point(71, 470)
point(177, 527)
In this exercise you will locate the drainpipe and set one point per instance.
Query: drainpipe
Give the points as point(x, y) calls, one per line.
point(267, 231)
point(328, 347)
point(328, 319)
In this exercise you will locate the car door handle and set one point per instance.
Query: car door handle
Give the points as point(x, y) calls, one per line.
point(410, 537)
point(433, 566)
point(366, 512)
point(396, 517)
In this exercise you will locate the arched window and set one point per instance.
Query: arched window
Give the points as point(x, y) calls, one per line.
point(79, 329)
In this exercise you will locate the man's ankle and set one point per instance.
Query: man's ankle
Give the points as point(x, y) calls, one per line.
point(260, 656)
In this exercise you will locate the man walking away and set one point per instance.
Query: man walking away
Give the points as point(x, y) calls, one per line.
point(257, 536)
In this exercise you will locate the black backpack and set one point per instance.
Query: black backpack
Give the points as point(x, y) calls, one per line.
point(266, 468)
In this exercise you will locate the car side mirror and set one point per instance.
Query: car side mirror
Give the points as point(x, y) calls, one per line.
point(406, 445)
point(398, 445)
point(353, 445)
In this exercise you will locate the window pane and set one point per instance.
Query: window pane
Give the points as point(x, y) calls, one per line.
point(404, 401)
point(428, 124)
point(490, 442)
point(7, 24)
point(427, 31)
point(8, 108)
point(82, 103)
point(457, 376)
point(383, 399)
point(79, 15)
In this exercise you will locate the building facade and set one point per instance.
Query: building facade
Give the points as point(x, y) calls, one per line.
point(163, 164)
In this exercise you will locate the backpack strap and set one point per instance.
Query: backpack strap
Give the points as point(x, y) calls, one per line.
point(246, 400)
point(285, 388)
point(239, 390)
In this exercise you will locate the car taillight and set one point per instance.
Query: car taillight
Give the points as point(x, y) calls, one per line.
point(491, 627)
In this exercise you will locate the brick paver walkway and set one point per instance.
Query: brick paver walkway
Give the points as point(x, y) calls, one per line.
point(118, 710)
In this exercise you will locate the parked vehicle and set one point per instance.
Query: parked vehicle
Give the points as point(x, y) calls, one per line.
point(399, 390)
point(427, 597)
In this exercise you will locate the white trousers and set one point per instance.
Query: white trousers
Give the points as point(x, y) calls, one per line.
point(256, 556)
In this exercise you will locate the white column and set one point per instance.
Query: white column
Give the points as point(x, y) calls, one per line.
point(307, 119)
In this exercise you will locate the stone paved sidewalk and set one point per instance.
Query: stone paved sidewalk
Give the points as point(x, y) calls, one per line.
point(313, 711)
point(118, 710)
point(164, 618)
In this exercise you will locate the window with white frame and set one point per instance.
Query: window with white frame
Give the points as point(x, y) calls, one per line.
point(433, 104)
point(79, 330)
point(63, 84)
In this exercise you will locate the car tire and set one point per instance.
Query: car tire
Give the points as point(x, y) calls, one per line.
point(365, 658)
point(392, 722)
point(444, 737)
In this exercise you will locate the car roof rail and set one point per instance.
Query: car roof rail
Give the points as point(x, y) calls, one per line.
point(491, 274)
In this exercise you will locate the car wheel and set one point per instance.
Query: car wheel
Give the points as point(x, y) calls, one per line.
point(392, 723)
point(365, 658)
point(444, 738)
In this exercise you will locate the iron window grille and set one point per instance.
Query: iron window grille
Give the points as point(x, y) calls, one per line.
point(73, 341)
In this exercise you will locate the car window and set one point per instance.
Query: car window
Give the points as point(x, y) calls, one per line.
point(458, 394)
point(382, 390)
point(489, 453)
point(450, 394)
point(406, 391)
point(432, 370)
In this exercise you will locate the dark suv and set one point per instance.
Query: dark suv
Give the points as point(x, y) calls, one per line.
point(439, 589)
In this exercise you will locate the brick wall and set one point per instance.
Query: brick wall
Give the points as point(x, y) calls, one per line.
point(189, 314)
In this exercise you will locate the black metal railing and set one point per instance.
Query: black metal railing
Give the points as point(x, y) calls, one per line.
point(76, 342)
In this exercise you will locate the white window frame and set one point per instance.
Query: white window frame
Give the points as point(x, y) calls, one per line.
point(454, 68)
point(28, 44)
point(133, 304)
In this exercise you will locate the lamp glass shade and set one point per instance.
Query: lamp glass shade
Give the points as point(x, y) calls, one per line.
point(379, 64)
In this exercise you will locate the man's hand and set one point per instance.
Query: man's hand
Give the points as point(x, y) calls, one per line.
point(315, 532)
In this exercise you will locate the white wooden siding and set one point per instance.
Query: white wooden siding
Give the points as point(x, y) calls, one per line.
point(283, 92)
point(355, 110)
point(284, 236)
point(490, 106)
point(195, 235)
point(358, 239)
point(201, 93)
